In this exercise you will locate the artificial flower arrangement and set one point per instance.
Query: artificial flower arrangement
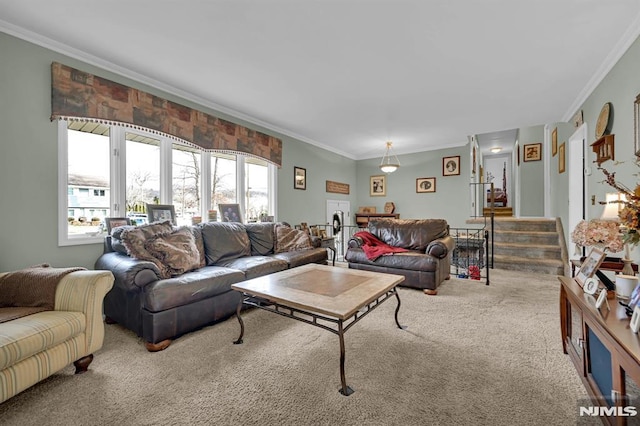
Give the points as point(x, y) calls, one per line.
point(630, 213)
point(601, 233)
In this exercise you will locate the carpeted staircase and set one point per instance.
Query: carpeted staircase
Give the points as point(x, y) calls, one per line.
point(532, 245)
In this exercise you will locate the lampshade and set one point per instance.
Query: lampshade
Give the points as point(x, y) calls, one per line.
point(389, 163)
point(611, 206)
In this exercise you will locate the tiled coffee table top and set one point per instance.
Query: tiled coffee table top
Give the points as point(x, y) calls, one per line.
point(327, 290)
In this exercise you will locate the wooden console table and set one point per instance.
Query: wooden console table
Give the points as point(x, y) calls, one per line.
point(602, 347)
point(362, 219)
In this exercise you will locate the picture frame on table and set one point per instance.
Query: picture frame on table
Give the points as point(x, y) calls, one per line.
point(378, 186)
point(299, 178)
point(230, 213)
point(451, 166)
point(161, 213)
point(590, 265)
point(114, 222)
point(426, 185)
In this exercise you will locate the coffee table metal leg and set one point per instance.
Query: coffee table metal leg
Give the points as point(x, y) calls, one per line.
point(345, 390)
point(239, 341)
point(395, 290)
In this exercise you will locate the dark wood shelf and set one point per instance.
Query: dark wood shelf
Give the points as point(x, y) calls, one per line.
point(604, 148)
point(362, 219)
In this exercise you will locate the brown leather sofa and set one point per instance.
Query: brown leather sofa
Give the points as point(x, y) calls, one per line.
point(426, 263)
point(159, 308)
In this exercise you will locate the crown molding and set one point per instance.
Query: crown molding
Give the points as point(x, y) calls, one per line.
point(621, 47)
point(48, 43)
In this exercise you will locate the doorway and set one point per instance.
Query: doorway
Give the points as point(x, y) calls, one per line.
point(342, 236)
point(577, 182)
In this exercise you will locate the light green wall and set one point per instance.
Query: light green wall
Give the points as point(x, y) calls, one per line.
point(531, 174)
point(295, 205)
point(28, 165)
point(620, 87)
point(450, 201)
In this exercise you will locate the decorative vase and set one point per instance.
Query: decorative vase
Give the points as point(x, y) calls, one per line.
point(627, 269)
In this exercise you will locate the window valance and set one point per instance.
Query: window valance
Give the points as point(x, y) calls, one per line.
point(79, 95)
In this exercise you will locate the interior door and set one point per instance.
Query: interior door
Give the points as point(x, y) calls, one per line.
point(577, 182)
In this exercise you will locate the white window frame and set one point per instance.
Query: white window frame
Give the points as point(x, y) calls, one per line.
point(117, 169)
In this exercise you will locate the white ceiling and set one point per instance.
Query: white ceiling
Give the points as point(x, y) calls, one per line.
point(350, 74)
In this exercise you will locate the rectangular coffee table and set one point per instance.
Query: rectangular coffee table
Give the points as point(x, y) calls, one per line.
point(327, 297)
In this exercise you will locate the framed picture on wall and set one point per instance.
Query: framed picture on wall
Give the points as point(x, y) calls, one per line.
point(533, 152)
point(451, 166)
point(554, 142)
point(299, 178)
point(561, 158)
point(378, 186)
point(426, 184)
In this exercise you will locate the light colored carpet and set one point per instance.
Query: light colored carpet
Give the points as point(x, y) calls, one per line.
point(473, 355)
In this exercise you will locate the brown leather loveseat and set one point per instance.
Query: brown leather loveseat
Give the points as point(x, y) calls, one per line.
point(425, 264)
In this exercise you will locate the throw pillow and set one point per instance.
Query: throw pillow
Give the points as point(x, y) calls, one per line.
point(289, 239)
point(134, 239)
point(224, 241)
point(177, 251)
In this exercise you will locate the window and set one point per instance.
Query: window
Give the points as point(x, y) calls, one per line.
point(115, 171)
point(142, 173)
point(187, 181)
point(256, 188)
point(223, 180)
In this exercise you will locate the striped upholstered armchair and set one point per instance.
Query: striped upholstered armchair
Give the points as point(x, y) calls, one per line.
point(35, 346)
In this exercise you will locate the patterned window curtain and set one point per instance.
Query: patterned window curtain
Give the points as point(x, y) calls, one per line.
point(77, 95)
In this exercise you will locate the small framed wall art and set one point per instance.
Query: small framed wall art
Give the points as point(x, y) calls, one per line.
point(426, 184)
point(378, 186)
point(299, 178)
point(554, 142)
point(561, 158)
point(451, 166)
point(533, 152)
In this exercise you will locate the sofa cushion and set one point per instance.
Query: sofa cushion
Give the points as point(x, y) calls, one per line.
point(411, 260)
point(27, 336)
point(224, 241)
point(190, 287)
point(260, 237)
point(197, 235)
point(289, 239)
point(135, 237)
point(302, 257)
point(412, 234)
point(256, 266)
point(176, 250)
